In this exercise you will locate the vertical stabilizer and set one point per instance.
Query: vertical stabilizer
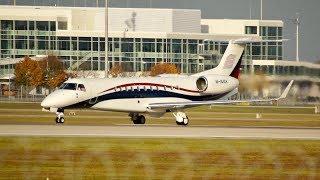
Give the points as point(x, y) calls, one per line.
point(230, 61)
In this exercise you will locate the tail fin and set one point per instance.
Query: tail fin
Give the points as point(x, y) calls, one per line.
point(236, 71)
point(230, 62)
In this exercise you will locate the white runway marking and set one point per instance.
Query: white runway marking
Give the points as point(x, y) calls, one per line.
point(160, 132)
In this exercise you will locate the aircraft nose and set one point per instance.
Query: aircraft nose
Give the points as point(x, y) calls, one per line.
point(59, 99)
point(46, 103)
point(51, 101)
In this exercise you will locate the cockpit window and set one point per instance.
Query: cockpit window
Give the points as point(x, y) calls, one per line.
point(68, 86)
point(81, 87)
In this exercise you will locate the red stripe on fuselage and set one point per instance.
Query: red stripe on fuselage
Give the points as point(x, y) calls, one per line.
point(150, 84)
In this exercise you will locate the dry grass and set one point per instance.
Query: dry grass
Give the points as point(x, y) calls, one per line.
point(96, 158)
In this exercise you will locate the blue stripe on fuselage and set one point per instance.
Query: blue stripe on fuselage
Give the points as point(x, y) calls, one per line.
point(145, 94)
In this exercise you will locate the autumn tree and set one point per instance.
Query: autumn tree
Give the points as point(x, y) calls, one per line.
point(164, 68)
point(54, 73)
point(116, 70)
point(29, 73)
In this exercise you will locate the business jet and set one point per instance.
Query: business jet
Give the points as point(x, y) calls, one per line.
point(155, 96)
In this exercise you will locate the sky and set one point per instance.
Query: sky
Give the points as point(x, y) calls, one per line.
point(240, 9)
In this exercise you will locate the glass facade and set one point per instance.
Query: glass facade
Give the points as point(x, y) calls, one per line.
point(21, 38)
point(270, 50)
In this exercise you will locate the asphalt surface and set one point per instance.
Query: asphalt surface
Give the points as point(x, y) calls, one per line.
point(164, 131)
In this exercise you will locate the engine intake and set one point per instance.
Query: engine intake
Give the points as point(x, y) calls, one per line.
point(202, 84)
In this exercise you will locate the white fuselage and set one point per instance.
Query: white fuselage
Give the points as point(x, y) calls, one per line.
point(136, 93)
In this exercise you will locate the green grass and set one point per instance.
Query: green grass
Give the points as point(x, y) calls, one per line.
point(30, 113)
point(104, 158)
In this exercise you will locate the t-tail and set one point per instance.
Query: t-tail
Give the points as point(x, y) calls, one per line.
point(230, 62)
point(232, 58)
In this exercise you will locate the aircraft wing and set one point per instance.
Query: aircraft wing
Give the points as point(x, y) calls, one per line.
point(180, 105)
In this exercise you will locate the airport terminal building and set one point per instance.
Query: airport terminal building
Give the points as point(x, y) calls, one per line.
point(140, 38)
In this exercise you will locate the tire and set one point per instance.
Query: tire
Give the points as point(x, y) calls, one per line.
point(57, 120)
point(135, 122)
point(185, 121)
point(61, 120)
point(142, 119)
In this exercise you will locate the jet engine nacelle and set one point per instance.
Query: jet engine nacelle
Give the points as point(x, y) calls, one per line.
point(216, 84)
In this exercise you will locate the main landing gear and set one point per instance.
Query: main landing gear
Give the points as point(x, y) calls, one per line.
point(137, 119)
point(181, 118)
point(60, 116)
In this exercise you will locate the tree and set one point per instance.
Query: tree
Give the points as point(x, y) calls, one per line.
point(54, 73)
point(28, 73)
point(164, 68)
point(116, 70)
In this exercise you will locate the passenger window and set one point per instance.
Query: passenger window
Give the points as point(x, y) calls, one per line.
point(81, 88)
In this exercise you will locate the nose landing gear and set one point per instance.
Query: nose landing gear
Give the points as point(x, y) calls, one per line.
point(181, 118)
point(60, 116)
point(137, 119)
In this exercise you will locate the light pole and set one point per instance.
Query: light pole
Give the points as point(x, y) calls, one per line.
point(261, 9)
point(106, 54)
point(250, 9)
point(297, 23)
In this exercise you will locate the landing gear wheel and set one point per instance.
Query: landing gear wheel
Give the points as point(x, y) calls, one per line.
point(60, 116)
point(59, 120)
point(142, 119)
point(181, 118)
point(138, 119)
point(185, 122)
point(62, 120)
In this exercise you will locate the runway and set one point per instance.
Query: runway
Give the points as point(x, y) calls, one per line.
point(161, 132)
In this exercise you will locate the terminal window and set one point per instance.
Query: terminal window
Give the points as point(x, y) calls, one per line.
point(251, 29)
point(62, 25)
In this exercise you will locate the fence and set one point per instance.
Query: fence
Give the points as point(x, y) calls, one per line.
point(22, 93)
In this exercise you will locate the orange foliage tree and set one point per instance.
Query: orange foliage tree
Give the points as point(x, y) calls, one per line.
point(47, 72)
point(164, 68)
point(53, 71)
point(116, 70)
point(29, 73)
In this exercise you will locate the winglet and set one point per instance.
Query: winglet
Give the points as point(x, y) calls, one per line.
point(286, 91)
